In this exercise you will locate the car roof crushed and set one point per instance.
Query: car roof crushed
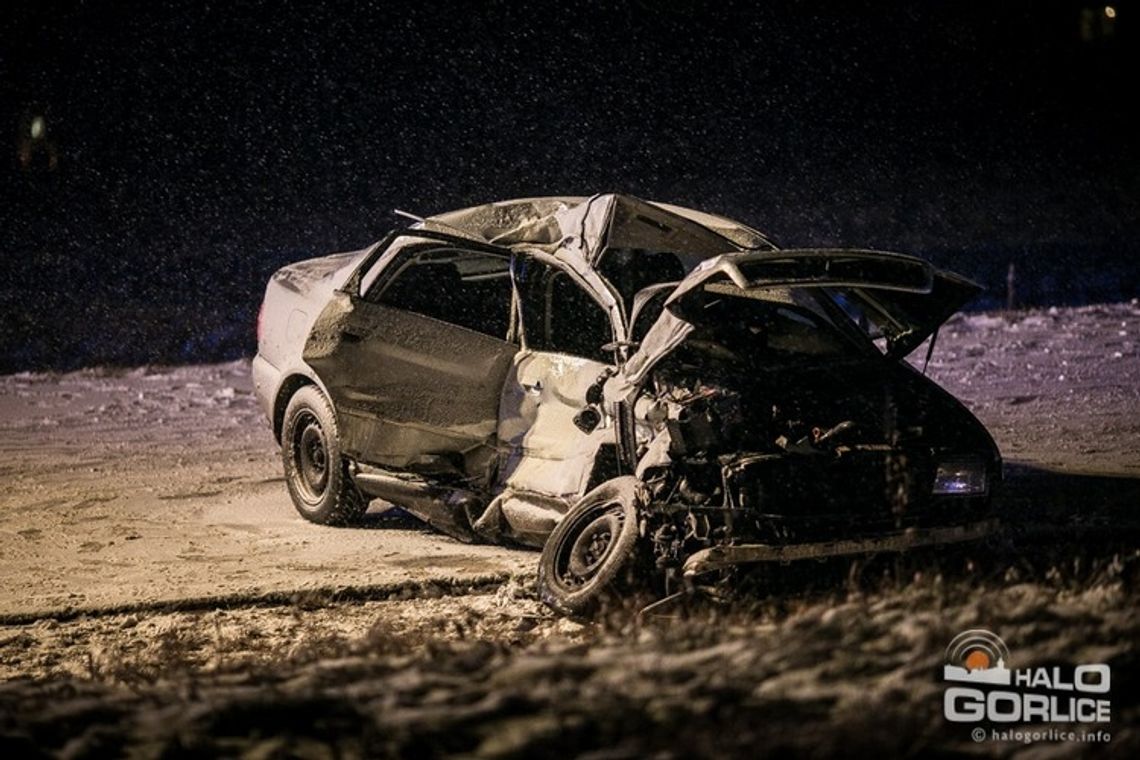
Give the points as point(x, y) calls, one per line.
point(580, 229)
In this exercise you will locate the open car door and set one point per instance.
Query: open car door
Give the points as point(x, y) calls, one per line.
point(414, 350)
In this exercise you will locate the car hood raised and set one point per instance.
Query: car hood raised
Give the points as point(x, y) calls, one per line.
point(906, 297)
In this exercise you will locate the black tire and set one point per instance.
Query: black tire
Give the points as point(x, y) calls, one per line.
point(584, 557)
point(315, 472)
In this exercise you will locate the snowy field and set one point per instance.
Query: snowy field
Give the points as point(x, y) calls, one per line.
point(162, 595)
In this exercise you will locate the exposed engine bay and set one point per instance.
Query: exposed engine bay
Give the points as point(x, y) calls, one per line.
point(748, 385)
point(763, 445)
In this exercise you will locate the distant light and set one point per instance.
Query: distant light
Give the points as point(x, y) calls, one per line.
point(37, 128)
point(1109, 11)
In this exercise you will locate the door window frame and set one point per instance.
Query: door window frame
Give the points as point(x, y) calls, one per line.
point(387, 260)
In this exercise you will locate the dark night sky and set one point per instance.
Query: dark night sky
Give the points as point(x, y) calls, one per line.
point(200, 145)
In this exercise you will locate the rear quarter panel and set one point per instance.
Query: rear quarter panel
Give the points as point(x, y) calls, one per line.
point(294, 298)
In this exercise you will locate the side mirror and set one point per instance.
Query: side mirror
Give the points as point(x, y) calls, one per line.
point(587, 420)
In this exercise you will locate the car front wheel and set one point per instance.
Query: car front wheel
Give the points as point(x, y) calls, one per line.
point(586, 555)
point(315, 472)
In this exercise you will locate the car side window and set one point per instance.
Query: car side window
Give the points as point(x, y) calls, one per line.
point(559, 316)
point(465, 288)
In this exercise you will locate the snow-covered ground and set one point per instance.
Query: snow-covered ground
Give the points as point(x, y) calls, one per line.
point(127, 487)
point(1058, 388)
point(131, 493)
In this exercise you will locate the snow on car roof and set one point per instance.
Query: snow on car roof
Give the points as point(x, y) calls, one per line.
point(588, 225)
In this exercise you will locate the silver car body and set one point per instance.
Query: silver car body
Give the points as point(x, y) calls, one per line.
point(420, 401)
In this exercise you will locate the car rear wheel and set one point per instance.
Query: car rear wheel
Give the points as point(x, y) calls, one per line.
point(586, 554)
point(315, 472)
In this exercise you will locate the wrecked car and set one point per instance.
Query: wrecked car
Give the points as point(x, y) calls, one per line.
point(623, 383)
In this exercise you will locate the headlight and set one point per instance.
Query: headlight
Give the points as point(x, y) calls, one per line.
point(960, 477)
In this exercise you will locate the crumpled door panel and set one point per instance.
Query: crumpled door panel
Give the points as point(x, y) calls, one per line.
point(407, 386)
point(542, 450)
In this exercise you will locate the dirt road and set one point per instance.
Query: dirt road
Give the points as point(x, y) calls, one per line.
point(133, 488)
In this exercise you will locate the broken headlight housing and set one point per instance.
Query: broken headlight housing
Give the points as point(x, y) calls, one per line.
point(960, 476)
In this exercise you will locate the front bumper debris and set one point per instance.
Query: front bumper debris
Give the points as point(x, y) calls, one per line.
point(720, 557)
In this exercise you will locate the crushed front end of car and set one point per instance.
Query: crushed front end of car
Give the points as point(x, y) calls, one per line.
point(767, 428)
point(852, 459)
